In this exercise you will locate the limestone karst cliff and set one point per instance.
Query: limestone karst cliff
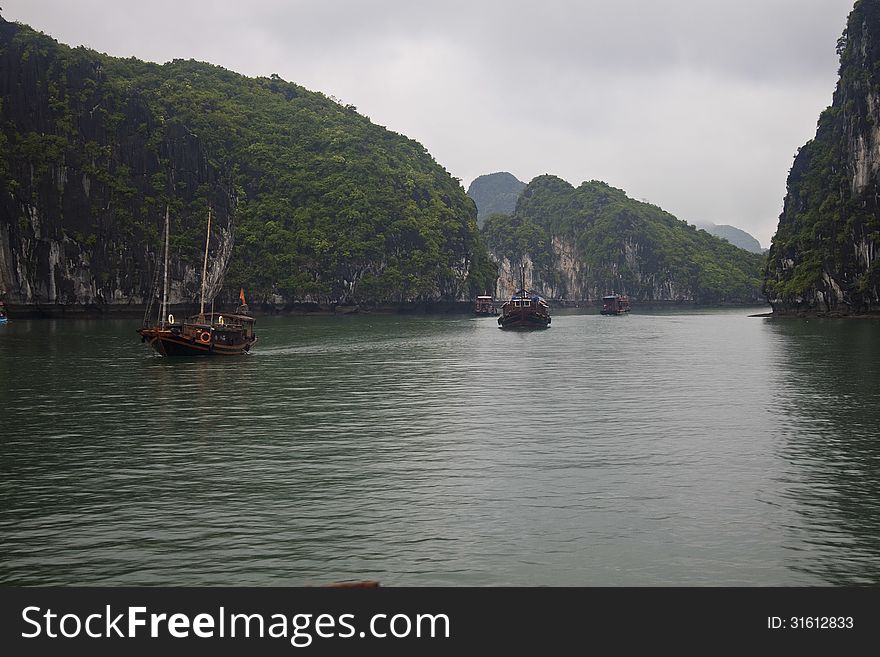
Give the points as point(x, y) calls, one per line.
point(312, 201)
point(824, 255)
point(580, 243)
point(79, 208)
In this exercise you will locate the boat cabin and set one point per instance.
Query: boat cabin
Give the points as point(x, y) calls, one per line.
point(615, 304)
point(485, 305)
point(221, 325)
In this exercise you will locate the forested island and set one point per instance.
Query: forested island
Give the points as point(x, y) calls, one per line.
point(579, 243)
point(824, 256)
point(311, 200)
point(314, 205)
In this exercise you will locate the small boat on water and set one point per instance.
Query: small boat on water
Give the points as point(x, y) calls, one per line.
point(525, 310)
point(205, 334)
point(3, 317)
point(202, 335)
point(485, 306)
point(615, 304)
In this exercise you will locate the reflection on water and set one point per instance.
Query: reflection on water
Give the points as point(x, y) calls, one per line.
point(704, 448)
point(828, 405)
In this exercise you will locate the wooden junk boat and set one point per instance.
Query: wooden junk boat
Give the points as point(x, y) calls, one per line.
point(525, 310)
point(615, 304)
point(205, 334)
point(485, 305)
point(202, 335)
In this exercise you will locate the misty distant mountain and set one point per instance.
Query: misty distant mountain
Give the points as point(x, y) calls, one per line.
point(734, 235)
point(494, 193)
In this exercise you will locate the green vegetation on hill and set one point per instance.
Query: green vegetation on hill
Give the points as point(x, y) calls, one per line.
point(823, 254)
point(325, 204)
point(618, 244)
point(816, 208)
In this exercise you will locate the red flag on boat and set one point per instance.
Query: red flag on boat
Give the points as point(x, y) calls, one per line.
point(241, 296)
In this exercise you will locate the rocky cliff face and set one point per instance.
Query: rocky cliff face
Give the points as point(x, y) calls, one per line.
point(312, 202)
point(824, 255)
point(565, 277)
point(80, 215)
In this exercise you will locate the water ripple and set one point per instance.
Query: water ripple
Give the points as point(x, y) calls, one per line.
point(702, 449)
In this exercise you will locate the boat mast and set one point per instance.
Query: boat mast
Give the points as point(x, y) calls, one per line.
point(165, 279)
point(205, 268)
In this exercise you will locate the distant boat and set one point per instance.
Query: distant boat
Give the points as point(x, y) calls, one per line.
point(485, 305)
point(615, 304)
point(525, 310)
point(3, 317)
point(205, 334)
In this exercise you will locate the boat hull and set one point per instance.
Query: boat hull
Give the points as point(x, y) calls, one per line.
point(525, 321)
point(168, 343)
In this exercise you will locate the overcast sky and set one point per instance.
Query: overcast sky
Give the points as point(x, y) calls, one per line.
point(697, 106)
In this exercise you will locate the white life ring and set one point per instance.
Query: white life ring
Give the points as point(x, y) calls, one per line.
point(170, 319)
point(205, 337)
point(220, 320)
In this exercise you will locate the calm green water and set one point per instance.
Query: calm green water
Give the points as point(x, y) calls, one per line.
point(702, 448)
